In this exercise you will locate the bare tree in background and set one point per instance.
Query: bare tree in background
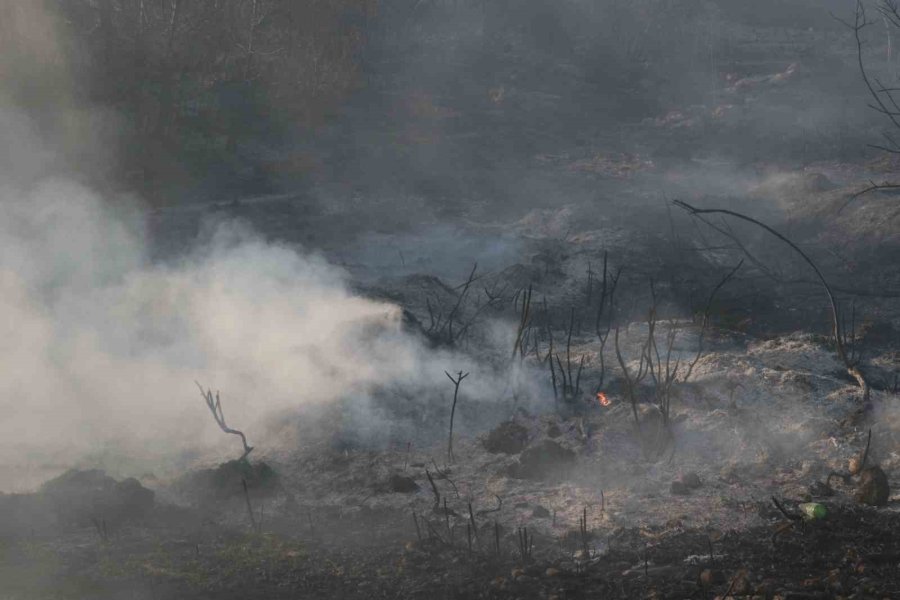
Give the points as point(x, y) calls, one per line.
point(885, 98)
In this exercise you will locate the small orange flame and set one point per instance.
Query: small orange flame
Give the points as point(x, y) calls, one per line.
point(602, 398)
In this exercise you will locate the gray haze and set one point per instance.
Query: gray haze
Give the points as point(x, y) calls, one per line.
point(103, 343)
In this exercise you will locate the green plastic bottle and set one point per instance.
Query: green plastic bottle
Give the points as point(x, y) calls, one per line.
point(813, 510)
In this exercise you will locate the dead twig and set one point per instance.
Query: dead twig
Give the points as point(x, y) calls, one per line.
point(526, 544)
point(570, 383)
point(524, 322)
point(706, 318)
point(215, 407)
point(437, 495)
point(459, 302)
point(783, 510)
point(418, 530)
point(253, 524)
point(456, 382)
point(441, 329)
point(837, 331)
point(605, 312)
point(443, 475)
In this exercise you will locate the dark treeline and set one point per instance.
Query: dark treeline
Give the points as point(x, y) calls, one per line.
point(204, 88)
point(195, 77)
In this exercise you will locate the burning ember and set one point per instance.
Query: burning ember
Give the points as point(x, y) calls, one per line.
point(603, 399)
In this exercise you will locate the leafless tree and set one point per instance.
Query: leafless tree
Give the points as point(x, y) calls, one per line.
point(456, 383)
point(884, 97)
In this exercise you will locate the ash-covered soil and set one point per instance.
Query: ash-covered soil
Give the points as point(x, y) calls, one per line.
point(759, 419)
point(549, 492)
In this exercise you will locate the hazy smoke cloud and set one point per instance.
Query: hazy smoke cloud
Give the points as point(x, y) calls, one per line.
point(102, 346)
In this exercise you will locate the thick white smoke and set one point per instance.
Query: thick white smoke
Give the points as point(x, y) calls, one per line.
point(101, 348)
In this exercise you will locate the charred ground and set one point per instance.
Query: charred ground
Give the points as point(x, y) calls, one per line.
point(505, 178)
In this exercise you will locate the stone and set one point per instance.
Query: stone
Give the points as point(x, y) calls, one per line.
point(873, 488)
point(691, 480)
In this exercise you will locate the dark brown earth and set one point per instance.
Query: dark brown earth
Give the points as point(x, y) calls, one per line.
point(853, 553)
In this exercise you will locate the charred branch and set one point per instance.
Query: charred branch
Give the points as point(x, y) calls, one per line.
point(838, 333)
point(885, 102)
point(214, 404)
point(706, 317)
point(456, 383)
point(604, 317)
point(566, 381)
point(524, 309)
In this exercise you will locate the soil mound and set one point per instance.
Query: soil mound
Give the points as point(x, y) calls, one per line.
point(227, 480)
point(82, 497)
point(546, 460)
point(507, 438)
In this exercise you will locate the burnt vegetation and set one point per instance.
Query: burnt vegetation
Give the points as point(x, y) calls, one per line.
point(645, 241)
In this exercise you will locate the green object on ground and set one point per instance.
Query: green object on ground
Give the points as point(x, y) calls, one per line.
point(813, 510)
